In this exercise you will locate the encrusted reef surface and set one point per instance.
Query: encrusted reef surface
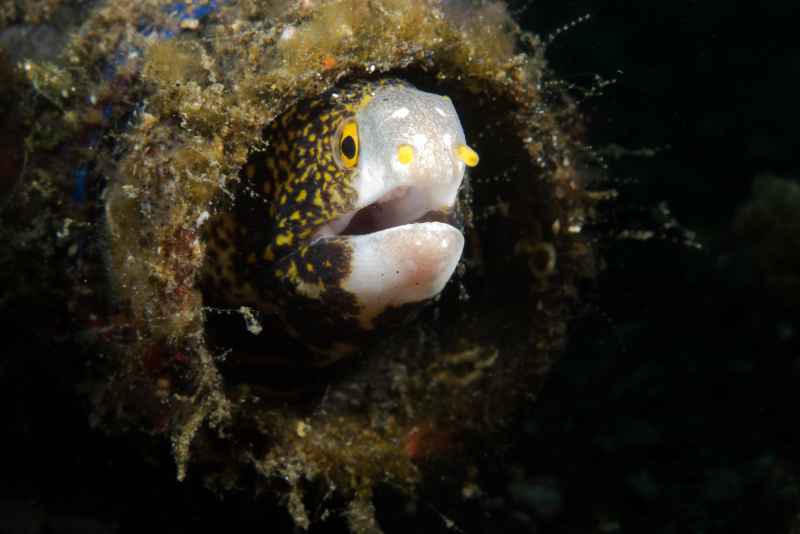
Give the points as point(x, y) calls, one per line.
point(127, 140)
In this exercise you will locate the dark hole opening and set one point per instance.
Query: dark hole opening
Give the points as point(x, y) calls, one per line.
point(503, 201)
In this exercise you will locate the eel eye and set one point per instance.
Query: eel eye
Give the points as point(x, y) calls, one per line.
point(348, 145)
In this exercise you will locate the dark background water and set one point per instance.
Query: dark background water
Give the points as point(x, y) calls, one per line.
point(674, 412)
point(674, 407)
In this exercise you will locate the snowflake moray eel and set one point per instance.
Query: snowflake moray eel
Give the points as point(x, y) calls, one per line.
point(352, 221)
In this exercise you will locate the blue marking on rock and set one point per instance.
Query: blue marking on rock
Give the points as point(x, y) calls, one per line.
point(79, 192)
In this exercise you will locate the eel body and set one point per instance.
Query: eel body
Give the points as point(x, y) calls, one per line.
point(348, 221)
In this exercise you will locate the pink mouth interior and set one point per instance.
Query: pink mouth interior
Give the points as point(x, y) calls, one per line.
point(402, 205)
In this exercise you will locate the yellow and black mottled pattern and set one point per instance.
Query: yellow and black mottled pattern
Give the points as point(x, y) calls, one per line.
point(259, 254)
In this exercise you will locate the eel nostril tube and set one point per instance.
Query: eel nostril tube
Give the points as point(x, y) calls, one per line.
point(467, 155)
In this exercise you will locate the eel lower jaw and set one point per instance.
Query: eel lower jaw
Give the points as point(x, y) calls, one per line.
point(401, 265)
point(398, 255)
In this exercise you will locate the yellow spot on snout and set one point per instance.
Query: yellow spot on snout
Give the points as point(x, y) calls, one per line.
point(405, 154)
point(467, 155)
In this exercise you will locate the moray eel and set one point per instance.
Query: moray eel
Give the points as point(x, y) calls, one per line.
point(348, 222)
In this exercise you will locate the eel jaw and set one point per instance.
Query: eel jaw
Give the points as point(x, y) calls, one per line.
point(401, 265)
point(398, 255)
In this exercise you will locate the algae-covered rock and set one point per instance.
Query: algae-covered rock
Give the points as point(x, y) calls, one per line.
point(134, 138)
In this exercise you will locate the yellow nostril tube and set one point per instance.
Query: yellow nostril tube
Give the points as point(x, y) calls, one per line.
point(467, 155)
point(405, 154)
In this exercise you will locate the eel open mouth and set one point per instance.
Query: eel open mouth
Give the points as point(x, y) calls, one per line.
point(400, 205)
point(399, 253)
